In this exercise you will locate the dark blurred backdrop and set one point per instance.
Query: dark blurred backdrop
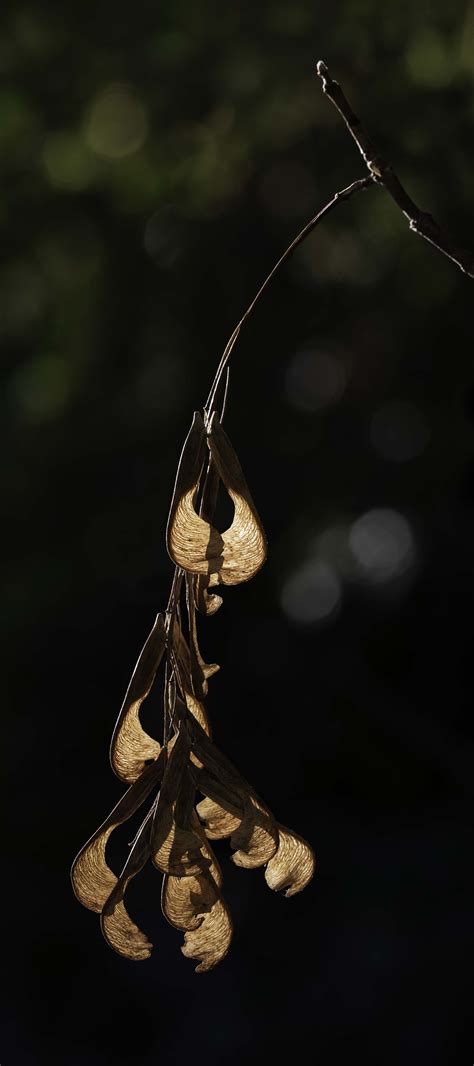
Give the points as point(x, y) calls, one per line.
point(156, 159)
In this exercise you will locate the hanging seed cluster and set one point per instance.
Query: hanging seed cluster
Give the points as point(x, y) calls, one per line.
point(196, 794)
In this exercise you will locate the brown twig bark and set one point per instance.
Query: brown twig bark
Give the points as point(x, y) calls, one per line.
point(420, 222)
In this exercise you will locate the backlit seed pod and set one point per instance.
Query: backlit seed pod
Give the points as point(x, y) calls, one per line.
point(119, 930)
point(210, 940)
point(232, 808)
point(219, 822)
point(185, 899)
point(194, 544)
point(92, 878)
point(256, 839)
point(131, 748)
point(176, 851)
point(245, 545)
point(196, 905)
point(176, 847)
point(292, 866)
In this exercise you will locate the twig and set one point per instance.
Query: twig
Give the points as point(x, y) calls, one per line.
point(420, 222)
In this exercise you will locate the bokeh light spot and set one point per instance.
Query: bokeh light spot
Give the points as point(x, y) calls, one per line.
point(315, 380)
point(117, 124)
point(398, 432)
point(382, 544)
point(312, 594)
point(332, 545)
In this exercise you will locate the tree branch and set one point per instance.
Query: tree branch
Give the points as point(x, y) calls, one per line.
point(420, 222)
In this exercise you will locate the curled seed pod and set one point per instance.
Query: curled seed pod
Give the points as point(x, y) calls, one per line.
point(92, 878)
point(196, 905)
point(119, 930)
point(184, 900)
point(176, 847)
point(131, 747)
point(211, 940)
point(292, 866)
point(245, 545)
point(233, 809)
point(219, 822)
point(256, 839)
point(189, 537)
point(194, 544)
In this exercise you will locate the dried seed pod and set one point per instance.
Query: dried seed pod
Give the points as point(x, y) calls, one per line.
point(119, 930)
point(190, 540)
point(196, 905)
point(233, 809)
point(256, 839)
point(194, 544)
point(245, 545)
point(219, 822)
point(176, 847)
point(92, 878)
point(206, 602)
point(211, 940)
point(292, 866)
point(185, 899)
point(131, 747)
point(222, 808)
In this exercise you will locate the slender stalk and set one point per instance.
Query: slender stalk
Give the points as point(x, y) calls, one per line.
point(339, 197)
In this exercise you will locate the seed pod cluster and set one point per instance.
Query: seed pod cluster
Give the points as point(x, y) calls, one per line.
point(196, 793)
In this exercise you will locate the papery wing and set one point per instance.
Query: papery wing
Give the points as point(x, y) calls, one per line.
point(192, 543)
point(245, 546)
point(131, 747)
point(256, 838)
point(292, 866)
point(92, 878)
point(120, 932)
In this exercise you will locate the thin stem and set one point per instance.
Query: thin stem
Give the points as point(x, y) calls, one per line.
point(383, 174)
point(339, 197)
point(344, 194)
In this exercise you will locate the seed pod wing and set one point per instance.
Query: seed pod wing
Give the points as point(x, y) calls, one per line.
point(131, 747)
point(292, 866)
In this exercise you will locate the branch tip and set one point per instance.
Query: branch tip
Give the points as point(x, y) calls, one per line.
point(420, 222)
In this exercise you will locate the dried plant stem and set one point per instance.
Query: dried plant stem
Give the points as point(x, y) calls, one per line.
point(420, 222)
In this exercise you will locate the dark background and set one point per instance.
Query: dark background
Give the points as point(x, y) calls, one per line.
point(156, 160)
